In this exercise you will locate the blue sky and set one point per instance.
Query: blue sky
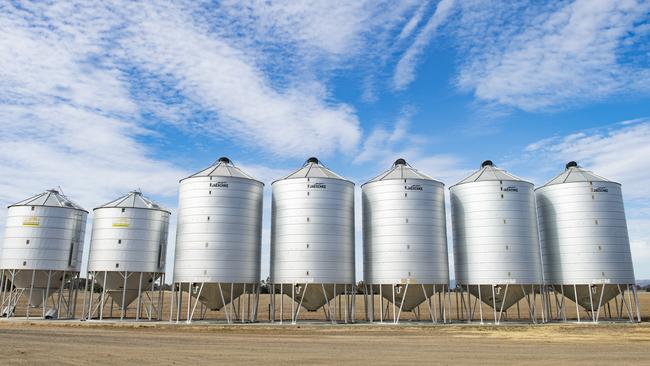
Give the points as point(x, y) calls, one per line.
point(101, 99)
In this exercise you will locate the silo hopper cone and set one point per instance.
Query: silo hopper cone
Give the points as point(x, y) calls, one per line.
point(115, 285)
point(585, 299)
point(408, 298)
point(503, 297)
point(215, 296)
point(311, 296)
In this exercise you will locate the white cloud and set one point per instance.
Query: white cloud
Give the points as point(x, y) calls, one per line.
point(405, 69)
point(540, 56)
point(618, 152)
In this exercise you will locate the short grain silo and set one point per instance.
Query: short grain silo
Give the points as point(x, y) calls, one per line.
point(312, 242)
point(219, 242)
point(405, 242)
point(585, 244)
point(41, 254)
point(496, 245)
point(127, 253)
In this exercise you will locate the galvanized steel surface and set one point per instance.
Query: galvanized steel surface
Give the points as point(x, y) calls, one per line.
point(312, 228)
point(583, 230)
point(44, 233)
point(219, 226)
point(129, 234)
point(404, 229)
point(495, 231)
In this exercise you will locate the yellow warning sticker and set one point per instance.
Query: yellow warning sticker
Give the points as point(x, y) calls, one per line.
point(33, 221)
point(121, 222)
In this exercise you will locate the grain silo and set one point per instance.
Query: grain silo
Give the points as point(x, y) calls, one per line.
point(496, 244)
point(585, 244)
point(312, 242)
point(41, 254)
point(405, 257)
point(127, 253)
point(218, 242)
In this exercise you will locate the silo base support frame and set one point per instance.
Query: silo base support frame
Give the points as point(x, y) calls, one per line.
point(147, 307)
point(471, 297)
point(62, 298)
point(438, 310)
point(241, 308)
point(598, 307)
point(338, 308)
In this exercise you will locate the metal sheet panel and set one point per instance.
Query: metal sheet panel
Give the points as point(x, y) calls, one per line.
point(312, 231)
point(219, 231)
point(495, 232)
point(583, 233)
point(43, 238)
point(128, 239)
point(404, 232)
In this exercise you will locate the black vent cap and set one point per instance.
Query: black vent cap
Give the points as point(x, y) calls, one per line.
point(224, 160)
point(400, 161)
point(312, 160)
point(487, 163)
point(571, 164)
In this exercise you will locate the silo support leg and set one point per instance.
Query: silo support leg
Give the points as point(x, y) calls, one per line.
point(401, 303)
point(426, 296)
point(480, 300)
point(600, 302)
point(326, 308)
point(575, 294)
point(191, 316)
point(171, 306)
point(505, 295)
point(591, 304)
point(304, 290)
point(636, 302)
point(47, 292)
point(223, 301)
point(139, 304)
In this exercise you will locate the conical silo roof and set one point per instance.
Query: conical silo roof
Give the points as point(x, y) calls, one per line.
point(574, 173)
point(223, 167)
point(313, 168)
point(401, 170)
point(133, 199)
point(50, 198)
point(489, 172)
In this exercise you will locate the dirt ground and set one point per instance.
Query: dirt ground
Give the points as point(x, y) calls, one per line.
point(41, 342)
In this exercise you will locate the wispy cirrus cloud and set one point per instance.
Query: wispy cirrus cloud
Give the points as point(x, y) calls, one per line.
point(541, 56)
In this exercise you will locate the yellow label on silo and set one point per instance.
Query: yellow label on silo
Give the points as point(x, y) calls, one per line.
point(33, 221)
point(121, 222)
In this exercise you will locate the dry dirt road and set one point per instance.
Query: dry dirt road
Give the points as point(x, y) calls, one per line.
point(76, 343)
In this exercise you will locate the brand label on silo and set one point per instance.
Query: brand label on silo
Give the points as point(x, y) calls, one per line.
point(219, 185)
point(121, 222)
point(511, 189)
point(33, 221)
point(317, 185)
point(600, 189)
point(413, 187)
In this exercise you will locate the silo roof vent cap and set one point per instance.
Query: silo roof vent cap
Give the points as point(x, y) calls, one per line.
point(400, 161)
point(487, 163)
point(224, 160)
point(312, 160)
point(571, 164)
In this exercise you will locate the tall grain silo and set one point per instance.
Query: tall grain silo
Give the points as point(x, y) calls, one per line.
point(219, 241)
point(585, 243)
point(405, 242)
point(41, 254)
point(127, 253)
point(312, 242)
point(496, 245)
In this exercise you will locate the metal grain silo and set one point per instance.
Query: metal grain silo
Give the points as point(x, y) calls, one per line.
point(127, 255)
point(404, 240)
point(584, 239)
point(219, 239)
point(496, 245)
point(41, 254)
point(312, 240)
